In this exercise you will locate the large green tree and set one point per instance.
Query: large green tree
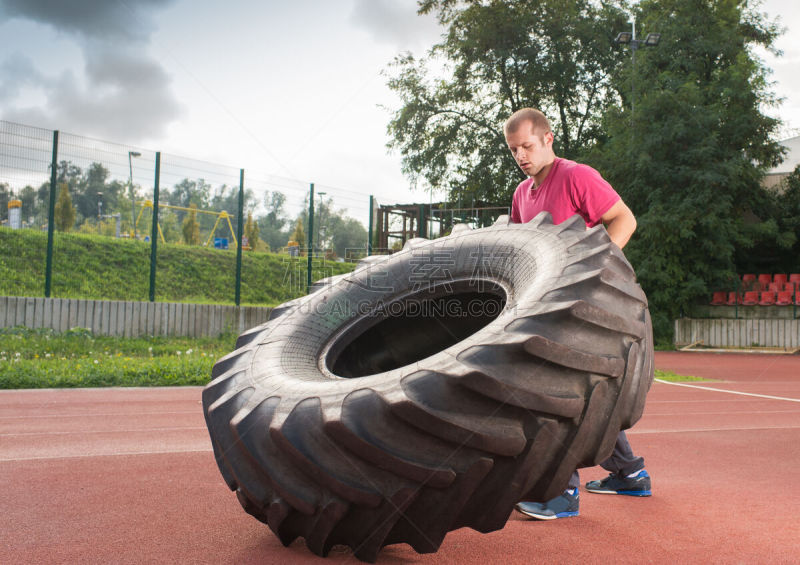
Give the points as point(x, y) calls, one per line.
point(690, 157)
point(499, 56)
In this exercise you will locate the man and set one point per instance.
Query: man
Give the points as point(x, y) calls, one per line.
point(565, 188)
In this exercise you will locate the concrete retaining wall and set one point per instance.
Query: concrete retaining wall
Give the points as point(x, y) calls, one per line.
point(129, 319)
point(729, 332)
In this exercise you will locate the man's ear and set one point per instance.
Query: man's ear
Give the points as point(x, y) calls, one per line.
point(549, 137)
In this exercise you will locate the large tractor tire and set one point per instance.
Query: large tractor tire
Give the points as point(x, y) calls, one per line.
point(434, 388)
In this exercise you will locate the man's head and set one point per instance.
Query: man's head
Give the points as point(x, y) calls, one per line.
point(530, 141)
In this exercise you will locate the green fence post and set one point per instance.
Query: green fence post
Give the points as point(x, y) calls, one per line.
point(154, 231)
point(371, 224)
point(239, 239)
point(51, 218)
point(310, 236)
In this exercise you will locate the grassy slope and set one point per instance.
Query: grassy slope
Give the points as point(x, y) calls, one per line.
point(96, 267)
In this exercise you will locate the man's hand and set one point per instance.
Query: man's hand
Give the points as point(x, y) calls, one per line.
point(620, 223)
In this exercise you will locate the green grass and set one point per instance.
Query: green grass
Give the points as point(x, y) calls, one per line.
point(77, 358)
point(104, 268)
point(45, 359)
point(672, 377)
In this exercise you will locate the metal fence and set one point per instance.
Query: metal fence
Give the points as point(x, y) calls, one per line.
point(86, 218)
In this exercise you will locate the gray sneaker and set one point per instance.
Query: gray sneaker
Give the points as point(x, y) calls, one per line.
point(638, 485)
point(563, 506)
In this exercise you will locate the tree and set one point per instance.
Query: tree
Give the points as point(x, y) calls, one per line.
point(503, 55)
point(191, 229)
point(272, 226)
point(90, 189)
point(333, 230)
point(64, 212)
point(6, 195)
point(251, 231)
point(349, 238)
point(690, 160)
point(298, 234)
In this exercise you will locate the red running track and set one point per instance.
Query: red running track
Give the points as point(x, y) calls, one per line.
point(127, 476)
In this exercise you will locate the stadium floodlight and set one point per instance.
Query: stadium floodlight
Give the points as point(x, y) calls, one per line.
point(623, 38)
point(652, 39)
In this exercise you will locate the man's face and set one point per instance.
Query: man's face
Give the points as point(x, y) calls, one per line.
point(532, 150)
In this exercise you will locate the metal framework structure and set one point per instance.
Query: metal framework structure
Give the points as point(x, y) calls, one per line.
point(220, 216)
point(402, 222)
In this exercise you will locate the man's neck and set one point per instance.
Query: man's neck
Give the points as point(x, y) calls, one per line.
point(539, 177)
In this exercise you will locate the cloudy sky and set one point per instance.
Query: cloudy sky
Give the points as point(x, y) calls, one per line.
point(290, 88)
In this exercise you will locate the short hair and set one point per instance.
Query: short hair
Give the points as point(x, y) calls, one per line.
point(537, 119)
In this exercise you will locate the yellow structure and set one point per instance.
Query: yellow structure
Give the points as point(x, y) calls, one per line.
point(220, 216)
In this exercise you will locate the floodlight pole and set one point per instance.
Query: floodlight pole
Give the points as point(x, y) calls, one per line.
point(626, 38)
point(130, 185)
point(319, 221)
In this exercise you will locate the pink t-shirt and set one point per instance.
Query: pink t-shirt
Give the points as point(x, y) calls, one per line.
point(569, 188)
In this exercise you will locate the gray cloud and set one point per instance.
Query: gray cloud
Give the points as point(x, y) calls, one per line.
point(122, 92)
point(104, 19)
point(396, 22)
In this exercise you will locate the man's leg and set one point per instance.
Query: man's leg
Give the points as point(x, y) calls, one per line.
point(628, 475)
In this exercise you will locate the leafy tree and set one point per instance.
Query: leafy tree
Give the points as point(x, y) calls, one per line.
point(690, 160)
point(272, 226)
point(5, 196)
point(169, 225)
point(191, 229)
point(778, 249)
point(349, 238)
point(188, 192)
point(64, 212)
point(335, 231)
point(503, 55)
point(90, 189)
point(298, 234)
point(29, 202)
point(251, 231)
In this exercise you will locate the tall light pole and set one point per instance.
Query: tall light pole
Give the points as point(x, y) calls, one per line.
point(130, 184)
point(629, 38)
point(319, 227)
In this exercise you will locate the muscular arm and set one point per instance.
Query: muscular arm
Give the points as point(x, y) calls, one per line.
point(620, 223)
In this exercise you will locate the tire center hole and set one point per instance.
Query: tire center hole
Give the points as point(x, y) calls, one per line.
point(415, 327)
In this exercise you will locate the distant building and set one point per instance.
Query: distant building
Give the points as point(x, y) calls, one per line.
point(777, 174)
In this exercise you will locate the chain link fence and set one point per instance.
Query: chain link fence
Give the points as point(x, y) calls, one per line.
point(86, 218)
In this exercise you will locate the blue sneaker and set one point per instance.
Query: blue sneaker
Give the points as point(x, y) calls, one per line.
point(562, 506)
point(636, 485)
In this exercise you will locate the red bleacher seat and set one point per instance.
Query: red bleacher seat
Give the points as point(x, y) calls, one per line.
point(790, 286)
point(750, 298)
point(733, 298)
point(747, 281)
point(764, 280)
point(795, 278)
point(779, 278)
point(784, 298)
point(774, 287)
point(767, 298)
point(718, 298)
